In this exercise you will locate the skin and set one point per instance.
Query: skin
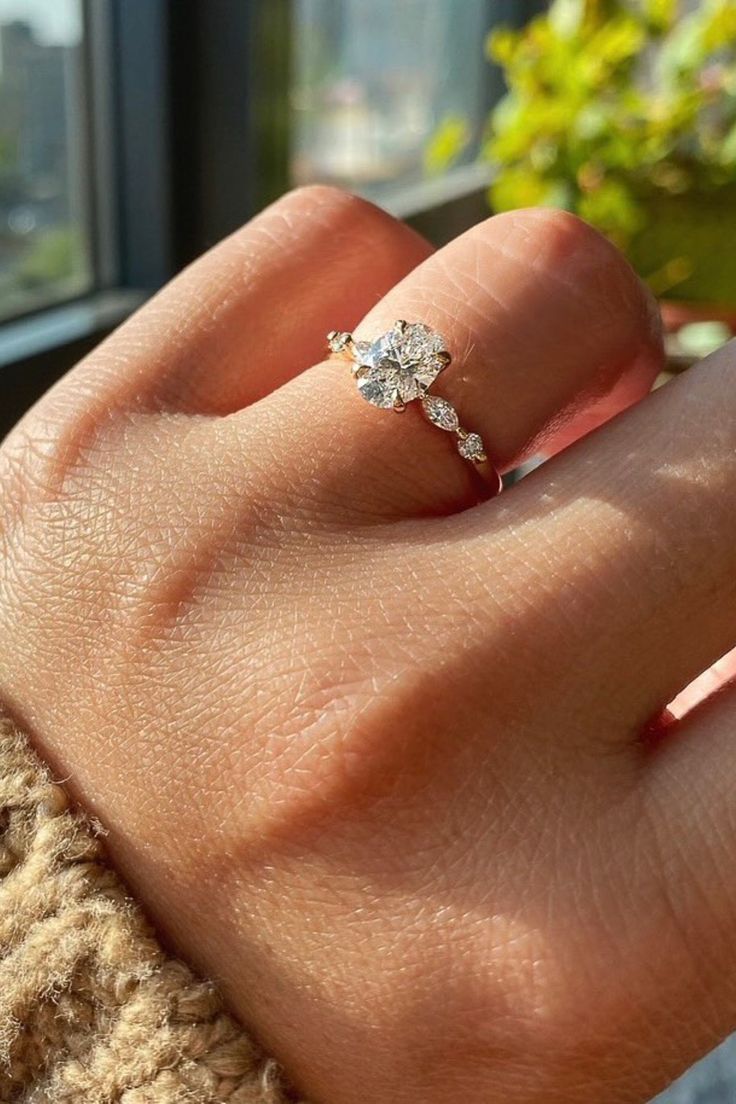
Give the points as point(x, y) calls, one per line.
point(376, 755)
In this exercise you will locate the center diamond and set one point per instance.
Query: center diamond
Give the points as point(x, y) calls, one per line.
point(400, 365)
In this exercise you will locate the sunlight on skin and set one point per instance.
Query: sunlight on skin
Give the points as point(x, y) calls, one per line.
point(715, 678)
point(371, 757)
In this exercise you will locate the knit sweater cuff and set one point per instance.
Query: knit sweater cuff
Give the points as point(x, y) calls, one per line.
point(91, 1008)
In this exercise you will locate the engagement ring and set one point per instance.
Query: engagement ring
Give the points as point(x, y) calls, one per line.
point(399, 367)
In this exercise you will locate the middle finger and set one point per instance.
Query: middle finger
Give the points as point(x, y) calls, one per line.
point(634, 530)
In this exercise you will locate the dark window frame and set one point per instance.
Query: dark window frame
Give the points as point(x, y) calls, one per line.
point(131, 244)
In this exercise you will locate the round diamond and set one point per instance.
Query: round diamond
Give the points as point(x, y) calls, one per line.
point(400, 365)
point(441, 413)
point(338, 341)
point(471, 448)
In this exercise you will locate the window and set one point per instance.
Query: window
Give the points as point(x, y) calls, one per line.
point(85, 169)
point(45, 248)
point(387, 96)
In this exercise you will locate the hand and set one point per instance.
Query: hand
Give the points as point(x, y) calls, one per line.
point(375, 756)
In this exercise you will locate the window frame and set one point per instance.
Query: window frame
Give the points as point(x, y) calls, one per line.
point(131, 241)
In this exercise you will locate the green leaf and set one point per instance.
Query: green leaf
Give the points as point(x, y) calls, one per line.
point(727, 150)
point(719, 27)
point(588, 125)
point(619, 40)
point(446, 144)
point(566, 16)
point(501, 45)
point(660, 14)
point(523, 188)
point(613, 208)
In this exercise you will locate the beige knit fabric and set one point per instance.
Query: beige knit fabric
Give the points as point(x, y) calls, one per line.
point(91, 1009)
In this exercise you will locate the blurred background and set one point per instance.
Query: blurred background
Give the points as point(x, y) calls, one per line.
point(136, 133)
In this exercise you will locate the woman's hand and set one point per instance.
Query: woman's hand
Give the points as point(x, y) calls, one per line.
point(374, 759)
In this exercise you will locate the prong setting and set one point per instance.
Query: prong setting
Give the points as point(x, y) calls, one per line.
point(339, 341)
point(470, 446)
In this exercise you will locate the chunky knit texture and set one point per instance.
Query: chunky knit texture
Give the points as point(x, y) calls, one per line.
point(91, 1009)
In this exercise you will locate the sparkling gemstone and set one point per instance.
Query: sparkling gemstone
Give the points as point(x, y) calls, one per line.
point(400, 365)
point(338, 341)
point(441, 413)
point(471, 447)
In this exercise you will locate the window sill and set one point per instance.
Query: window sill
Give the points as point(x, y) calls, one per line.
point(57, 327)
point(410, 200)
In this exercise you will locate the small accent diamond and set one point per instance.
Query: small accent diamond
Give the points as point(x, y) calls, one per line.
point(337, 341)
point(441, 413)
point(471, 448)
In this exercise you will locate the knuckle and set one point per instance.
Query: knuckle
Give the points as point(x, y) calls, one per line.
point(50, 445)
point(567, 245)
point(345, 215)
point(332, 202)
point(561, 231)
point(585, 261)
point(68, 505)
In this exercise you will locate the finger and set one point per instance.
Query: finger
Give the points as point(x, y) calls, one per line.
point(252, 312)
point(542, 316)
point(690, 813)
point(636, 527)
point(701, 688)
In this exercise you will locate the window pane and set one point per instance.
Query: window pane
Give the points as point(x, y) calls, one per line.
point(44, 241)
point(389, 93)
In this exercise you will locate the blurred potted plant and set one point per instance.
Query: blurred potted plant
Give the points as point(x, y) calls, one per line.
point(625, 112)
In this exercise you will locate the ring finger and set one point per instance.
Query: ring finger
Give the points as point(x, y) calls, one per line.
point(548, 328)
